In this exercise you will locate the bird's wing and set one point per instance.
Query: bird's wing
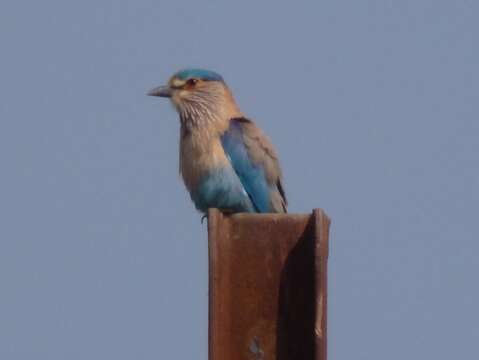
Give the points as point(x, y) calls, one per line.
point(255, 162)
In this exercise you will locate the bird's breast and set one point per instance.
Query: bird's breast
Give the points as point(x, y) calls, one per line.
point(200, 154)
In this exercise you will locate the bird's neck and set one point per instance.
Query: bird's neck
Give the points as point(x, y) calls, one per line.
point(211, 118)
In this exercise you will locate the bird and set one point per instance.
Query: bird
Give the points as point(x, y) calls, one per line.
point(226, 161)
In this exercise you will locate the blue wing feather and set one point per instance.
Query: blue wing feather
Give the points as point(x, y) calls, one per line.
point(252, 176)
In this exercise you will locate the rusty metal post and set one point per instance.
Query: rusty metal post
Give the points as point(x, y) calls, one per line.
point(268, 286)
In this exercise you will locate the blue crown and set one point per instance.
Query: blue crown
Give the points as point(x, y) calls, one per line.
point(201, 74)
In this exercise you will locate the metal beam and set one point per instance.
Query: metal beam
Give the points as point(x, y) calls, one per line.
point(268, 286)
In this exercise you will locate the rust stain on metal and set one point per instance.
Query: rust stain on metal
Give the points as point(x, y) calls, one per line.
point(268, 286)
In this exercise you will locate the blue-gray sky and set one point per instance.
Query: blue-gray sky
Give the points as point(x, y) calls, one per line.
point(373, 106)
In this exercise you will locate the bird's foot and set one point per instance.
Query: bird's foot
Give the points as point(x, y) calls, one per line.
point(205, 216)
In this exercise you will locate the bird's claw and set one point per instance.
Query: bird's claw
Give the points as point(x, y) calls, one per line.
point(205, 216)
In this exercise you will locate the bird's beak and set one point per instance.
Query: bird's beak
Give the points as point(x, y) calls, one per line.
point(161, 91)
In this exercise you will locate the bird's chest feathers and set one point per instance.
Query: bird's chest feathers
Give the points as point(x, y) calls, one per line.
point(201, 153)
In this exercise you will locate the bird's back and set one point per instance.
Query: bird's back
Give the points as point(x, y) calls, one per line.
point(255, 162)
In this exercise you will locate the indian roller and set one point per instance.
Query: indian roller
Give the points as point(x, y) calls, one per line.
point(225, 160)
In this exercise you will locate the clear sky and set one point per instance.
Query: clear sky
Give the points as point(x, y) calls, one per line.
point(372, 105)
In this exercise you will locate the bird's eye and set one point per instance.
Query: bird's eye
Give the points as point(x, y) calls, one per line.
point(192, 82)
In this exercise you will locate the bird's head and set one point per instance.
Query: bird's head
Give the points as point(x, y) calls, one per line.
point(196, 93)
